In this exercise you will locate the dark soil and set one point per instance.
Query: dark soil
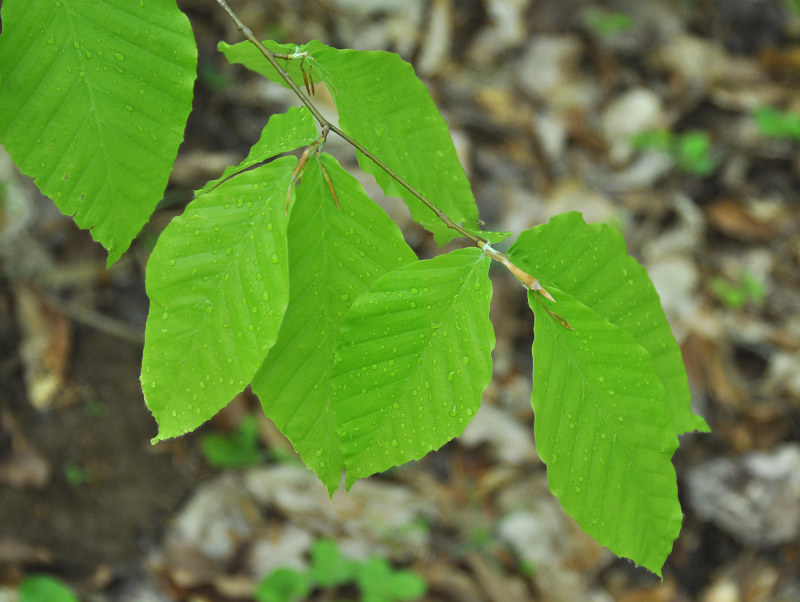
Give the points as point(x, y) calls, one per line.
point(117, 515)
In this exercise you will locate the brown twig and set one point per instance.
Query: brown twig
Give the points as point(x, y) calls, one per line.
point(301, 164)
point(526, 279)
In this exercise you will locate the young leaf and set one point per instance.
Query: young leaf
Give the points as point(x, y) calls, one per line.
point(284, 132)
point(283, 585)
point(108, 87)
point(35, 588)
point(333, 257)
point(603, 430)
point(413, 358)
point(238, 449)
point(380, 582)
point(329, 568)
point(384, 106)
point(218, 287)
point(590, 263)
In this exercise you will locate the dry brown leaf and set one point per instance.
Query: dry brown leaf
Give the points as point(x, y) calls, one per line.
point(733, 218)
point(583, 134)
point(453, 583)
point(707, 371)
point(497, 585)
point(13, 551)
point(781, 62)
point(45, 347)
point(25, 468)
point(658, 592)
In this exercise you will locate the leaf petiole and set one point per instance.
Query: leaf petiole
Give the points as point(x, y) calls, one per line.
point(298, 170)
point(526, 279)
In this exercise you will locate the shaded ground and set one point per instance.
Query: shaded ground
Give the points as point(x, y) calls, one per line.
point(108, 490)
point(544, 100)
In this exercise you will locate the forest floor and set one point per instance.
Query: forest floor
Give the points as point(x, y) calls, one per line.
point(677, 122)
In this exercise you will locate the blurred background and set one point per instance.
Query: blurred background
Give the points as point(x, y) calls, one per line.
point(676, 121)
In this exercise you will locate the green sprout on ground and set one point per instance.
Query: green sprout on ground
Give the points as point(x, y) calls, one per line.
point(608, 22)
point(38, 588)
point(94, 407)
point(375, 578)
point(780, 125)
point(76, 474)
point(690, 151)
point(239, 449)
point(748, 289)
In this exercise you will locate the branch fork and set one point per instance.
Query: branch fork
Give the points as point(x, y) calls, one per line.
point(527, 280)
point(301, 164)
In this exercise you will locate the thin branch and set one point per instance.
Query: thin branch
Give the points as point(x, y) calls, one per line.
point(527, 280)
point(100, 322)
point(271, 57)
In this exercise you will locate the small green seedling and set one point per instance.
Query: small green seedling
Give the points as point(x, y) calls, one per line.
point(94, 407)
point(329, 568)
point(379, 582)
point(41, 588)
point(376, 579)
point(781, 125)
point(237, 450)
point(283, 585)
point(608, 22)
point(76, 474)
point(690, 151)
point(748, 289)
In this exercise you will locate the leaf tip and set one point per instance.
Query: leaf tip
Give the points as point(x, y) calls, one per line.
point(114, 251)
point(698, 424)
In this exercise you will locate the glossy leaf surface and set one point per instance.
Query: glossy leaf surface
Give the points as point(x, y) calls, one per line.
point(284, 132)
point(413, 359)
point(334, 255)
point(94, 98)
point(218, 284)
point(590, 263)
point(384, 106)
point(603, 430)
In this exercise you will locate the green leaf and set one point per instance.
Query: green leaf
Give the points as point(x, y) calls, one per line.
point(35, 588)
point(94, 97)
point(328, 567)
point(333, 257)
point(693, 153)
point(590, 263)
point(237, 450)
point(218, 287)
point(380, 582)
point(773, 123)
point(385, 107)
point(608, 22)
point(283, 585)
point(603, 431)
point(284, 132)
point(414, 356)
point(659, 139)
